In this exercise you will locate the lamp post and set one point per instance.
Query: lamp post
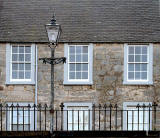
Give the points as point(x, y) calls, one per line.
point(53, 32)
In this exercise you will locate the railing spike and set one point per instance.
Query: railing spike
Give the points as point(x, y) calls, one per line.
point(110, 106)
point(17, 105)
point(34, 106)
point(116, 106)
point(105, 106)
point(6, 105)
point(144, 106)
point(29, 106)
point(61, 105)
point(138, 105)
point(45, 105)
point(93, 106)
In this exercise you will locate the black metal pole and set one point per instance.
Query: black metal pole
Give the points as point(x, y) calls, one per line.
point(52, 89)
point(52, 80)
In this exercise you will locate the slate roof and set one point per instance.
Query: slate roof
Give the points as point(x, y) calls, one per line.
point(81, 20)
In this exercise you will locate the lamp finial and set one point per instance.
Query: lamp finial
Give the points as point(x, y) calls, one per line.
point(53, 20)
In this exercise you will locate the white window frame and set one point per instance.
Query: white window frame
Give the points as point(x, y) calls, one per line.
point(127, 105)
point(9, 79)
point(149, 80)
point(88, 81)
point(31, 115)
point(76, 104)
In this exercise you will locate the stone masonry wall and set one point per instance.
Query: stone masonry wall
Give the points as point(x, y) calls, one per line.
point(107, 79)
point(12, 93)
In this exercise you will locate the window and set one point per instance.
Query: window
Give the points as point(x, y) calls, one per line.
point(78, 69)
point(20, 64)
point(79, 116)
point(134, 119)
point(20, 117)
point(138, 64)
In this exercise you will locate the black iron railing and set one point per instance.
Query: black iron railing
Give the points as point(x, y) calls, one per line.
point(98, 118)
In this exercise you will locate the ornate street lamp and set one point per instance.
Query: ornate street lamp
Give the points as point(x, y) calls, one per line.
point(53, 31)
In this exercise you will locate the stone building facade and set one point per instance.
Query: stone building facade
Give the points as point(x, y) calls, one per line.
point(108, 66)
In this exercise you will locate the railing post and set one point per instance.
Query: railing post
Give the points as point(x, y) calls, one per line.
point(6, 117)
point(144, 106)
point(105, 106)
point(99, 116)
point(138, 106)
point(116, 106)
point(1, 106)
point(45, 110)
point(34, 111)
point(52, 119)
point(93, 107)
point(29, 107)
point(40, 120)
point(149, 116)
point(12, 117)
point(62, 106)
point(17, 117)
point(155, 114)
point(23, 117)
point(110, 107)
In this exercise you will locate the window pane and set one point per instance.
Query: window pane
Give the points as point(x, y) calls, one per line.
point(78, 67)
point(72, 75)
point(85, 49)
point(72, 49)
point(137, 50)
point(78, 58)
point(27, 49)
point(144, 58)
point(85, 67)
point(14, 75)
point(21, 57)
point(72, 67)
point(72, 58)
point(14, 49)
point(137, 75)
point(143, 67)
point(131, 58)
point(78, 75)
point(131, 67)
point(85, 58)
point(130, 75)
point(20, 121)
point(27, 57)
point(137, 67)
point(14, 118)
point(27, 66)
point(131, 50)
point(21, 66)
point(144, 50)
point(21, 49)
point(21, 74)
point(27, 75)
point(26, 120)
point(14, 66)
point(137, 58)
point(78, 49)
point(14, 57)
point(144, 75)
point(84, 75)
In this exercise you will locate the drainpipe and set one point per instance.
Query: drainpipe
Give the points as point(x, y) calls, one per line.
point(36, 83)
point(36, 86)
